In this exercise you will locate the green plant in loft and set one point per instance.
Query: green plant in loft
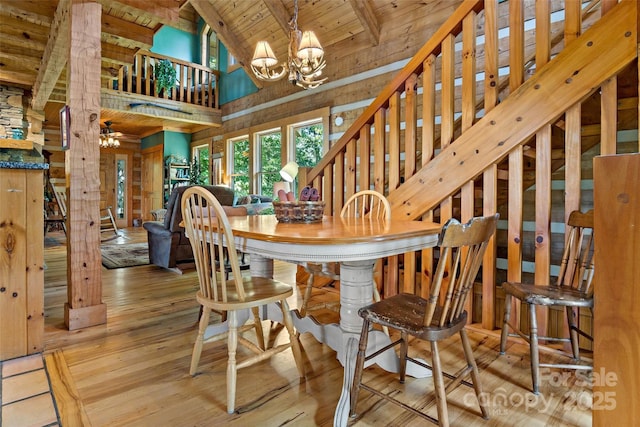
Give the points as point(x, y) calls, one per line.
point(165, 75)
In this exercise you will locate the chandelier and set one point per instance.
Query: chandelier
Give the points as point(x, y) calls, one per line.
point(304, 63)
point(108, 138)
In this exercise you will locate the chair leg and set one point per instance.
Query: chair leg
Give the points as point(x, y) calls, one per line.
point(475, 376)
point(232, 370)
point(293, 337)
point(377, 298)
point(533, 347)
point(197, 346)
point(258, 325)
point(404, 347)
point(438, 381)
point(505, 324)
point(573, 333)
point(357, 375)
point(307, 295)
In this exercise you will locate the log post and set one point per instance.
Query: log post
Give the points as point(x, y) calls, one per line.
point(84, 305)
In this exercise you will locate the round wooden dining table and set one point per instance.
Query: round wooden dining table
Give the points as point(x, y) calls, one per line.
point(356, 243)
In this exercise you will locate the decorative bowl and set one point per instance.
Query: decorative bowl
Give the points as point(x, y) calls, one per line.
point(299, 211)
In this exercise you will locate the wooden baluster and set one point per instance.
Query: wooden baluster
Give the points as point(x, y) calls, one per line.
point(211, 81)
point(196, 83)
point(338, 194)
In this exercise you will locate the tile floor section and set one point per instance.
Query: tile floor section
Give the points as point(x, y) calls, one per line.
point(26, 394)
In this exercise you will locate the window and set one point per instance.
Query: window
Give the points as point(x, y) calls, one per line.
point(307, 141)
point(232, 63)
point(255, 156)
point(209, 46)
point(239, 165)
point(200, 164)
point(269, 161)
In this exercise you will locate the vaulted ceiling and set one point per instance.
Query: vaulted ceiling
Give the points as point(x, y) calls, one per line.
point(342, 26)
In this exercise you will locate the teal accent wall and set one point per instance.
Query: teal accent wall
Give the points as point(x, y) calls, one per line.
point(175, 143)
point(177, 44)
point(233, 85)
point(152, 140)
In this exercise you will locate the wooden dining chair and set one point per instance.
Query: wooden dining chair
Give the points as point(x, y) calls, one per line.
point(365, 203)
point(211, 237)
point(435, 319)
point(59, 218)
point(571, 289)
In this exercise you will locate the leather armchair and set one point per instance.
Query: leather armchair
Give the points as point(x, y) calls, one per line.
point(167, 241)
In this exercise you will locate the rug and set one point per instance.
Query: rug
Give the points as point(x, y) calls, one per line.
point(128, 255)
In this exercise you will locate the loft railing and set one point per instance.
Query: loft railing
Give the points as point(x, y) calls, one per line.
point(195, 84)
point(475, 118)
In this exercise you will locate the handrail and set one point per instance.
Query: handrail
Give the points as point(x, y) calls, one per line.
point(196, 84)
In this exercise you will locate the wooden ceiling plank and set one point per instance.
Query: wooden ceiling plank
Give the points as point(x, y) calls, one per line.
point(233, 44)
point(10, 10)
point(119, 28)
point(365, 13)
point(54, 57)
point(19, 78)
point(20, 59)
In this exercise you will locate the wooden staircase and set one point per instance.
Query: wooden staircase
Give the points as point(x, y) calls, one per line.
point(435, 151)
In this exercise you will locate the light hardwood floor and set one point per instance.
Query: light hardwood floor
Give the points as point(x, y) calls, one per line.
point(134, 371)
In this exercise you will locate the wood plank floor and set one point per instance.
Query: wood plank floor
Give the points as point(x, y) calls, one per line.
point(134, 371)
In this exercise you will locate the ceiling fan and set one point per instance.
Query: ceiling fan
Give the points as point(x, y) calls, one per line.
point(108, 137)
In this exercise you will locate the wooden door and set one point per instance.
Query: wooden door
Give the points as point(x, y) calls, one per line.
point(152, 181)
point(107, 180)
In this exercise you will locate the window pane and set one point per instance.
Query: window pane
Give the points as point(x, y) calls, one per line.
point(200, 165)
point(270, 146)
point(213, 51)
point(240, 172)
point(308, 145)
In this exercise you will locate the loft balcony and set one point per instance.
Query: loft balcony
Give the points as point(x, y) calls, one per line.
point(193, 99)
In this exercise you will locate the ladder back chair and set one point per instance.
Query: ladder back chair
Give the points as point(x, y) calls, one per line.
point(60, 218)
point(108, 225)
point(211, 237)
point(365, 203)
point(461, 247)
point(572, 290)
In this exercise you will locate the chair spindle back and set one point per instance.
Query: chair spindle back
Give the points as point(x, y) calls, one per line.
point(208, 230)
point(462, 246)
point(576, 267)
point(367, 203)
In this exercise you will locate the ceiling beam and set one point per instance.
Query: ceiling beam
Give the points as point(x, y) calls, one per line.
point(367, 17)
point(54, 57)
point(115, 29)
point(117, 54)
point(227, 36)
point(166, 12)
point(280, 13)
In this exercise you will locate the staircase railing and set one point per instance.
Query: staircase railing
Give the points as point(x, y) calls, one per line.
point(195, 84)
point(426, 144)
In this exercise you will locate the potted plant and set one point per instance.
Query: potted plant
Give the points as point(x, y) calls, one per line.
point(165, 76)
